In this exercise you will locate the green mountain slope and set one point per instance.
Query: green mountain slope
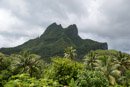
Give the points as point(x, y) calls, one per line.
point(54, 40)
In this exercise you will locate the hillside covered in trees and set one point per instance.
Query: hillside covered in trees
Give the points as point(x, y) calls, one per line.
point(73, 62)
point(54, 40)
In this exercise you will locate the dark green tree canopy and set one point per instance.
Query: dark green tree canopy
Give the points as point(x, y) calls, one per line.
point(54, 40)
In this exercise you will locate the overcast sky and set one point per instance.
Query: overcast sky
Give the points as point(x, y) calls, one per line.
point(100, 20)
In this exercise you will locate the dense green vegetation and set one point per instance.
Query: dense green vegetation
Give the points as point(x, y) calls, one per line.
point(53, 42)
point(101, 68)
point(51, 61)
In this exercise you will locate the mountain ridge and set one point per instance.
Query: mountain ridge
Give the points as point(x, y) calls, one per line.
point(54, 40)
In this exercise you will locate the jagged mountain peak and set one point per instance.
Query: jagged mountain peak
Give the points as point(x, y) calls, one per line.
point(56, 30)
point(72, 26)
point(54, 26)
point(72, 30)
point(54, 40)
point(52, 30)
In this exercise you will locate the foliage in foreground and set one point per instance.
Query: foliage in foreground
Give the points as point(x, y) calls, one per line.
point(63, 70)
point(93, 79)
point(24, 80)
point(98, 69)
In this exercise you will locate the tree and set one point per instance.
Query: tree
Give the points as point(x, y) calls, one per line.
point(5, 70)
point(25, 62)
point(110, 69)
point(24, 80)
point(91, 78)
point(124, 62)
point(105, 63)
point(91, 61)
point(4, 62)
point(63, 70)
point(70, 52)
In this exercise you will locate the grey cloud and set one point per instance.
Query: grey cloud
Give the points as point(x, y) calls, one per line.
point(116, 25)
point(14, 35)
point(101, 20)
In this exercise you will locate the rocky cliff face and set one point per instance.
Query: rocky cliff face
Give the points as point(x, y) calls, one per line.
point(72, 30)
point(54, 40)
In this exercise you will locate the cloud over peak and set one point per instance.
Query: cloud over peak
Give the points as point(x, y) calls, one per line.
point(101, 20)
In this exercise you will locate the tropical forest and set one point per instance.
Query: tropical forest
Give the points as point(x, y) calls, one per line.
point(61, 58)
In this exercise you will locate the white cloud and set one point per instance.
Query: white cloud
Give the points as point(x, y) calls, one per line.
point(101, 20)
point(18, 7)
point(7, 20)
point(14, 31)
point(11, 42)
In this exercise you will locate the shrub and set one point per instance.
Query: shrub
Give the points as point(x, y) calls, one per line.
point(92, 79)
point(24, 80)
point(63, 70)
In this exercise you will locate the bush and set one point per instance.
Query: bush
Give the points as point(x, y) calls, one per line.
point(24, 80)
point(63, 70)
point(92, 79)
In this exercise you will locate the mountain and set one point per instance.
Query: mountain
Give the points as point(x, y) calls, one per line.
point(54, 40)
